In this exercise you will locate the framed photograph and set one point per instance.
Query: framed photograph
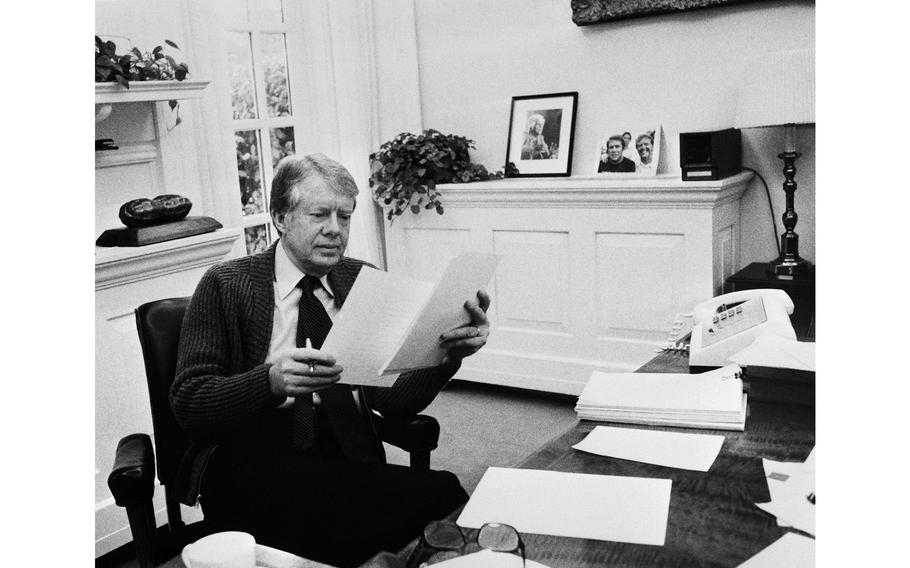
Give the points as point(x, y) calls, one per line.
point(638, 151)
point(541, 132)
point(587, 12)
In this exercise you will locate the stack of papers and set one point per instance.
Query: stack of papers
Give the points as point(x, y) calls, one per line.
point(713, 400)
point(790, 485)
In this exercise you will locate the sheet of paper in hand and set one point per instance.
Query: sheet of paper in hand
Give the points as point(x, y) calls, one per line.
point(391, 323)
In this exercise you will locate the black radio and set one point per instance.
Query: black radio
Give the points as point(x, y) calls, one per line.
point(710, 155)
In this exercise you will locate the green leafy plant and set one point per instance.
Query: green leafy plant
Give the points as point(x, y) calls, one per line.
point(136, 65)
point(405, 171)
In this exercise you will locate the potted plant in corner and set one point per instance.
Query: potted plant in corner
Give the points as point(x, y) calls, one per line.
point(405, 171)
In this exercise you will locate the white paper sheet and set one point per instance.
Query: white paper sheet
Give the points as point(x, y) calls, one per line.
point(772, 350)
point(789, 484)
point(791, 550)
point(442, 311)
point(672, 449)
point(487, 559)
point(600, 507)
point(377, 312)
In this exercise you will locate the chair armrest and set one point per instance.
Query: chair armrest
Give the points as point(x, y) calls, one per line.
point(418, 433)
point(132, 479)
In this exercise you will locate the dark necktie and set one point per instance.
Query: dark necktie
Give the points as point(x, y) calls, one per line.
point(313, 324)
point(351, 429)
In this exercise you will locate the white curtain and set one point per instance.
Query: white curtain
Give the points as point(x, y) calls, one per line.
point(373, 53)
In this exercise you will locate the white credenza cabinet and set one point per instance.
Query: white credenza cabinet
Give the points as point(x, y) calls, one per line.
point(593, 269)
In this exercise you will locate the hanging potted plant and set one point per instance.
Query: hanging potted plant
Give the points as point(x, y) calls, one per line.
point(405, 171)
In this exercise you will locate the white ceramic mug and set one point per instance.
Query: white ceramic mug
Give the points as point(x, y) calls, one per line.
point(232, 549)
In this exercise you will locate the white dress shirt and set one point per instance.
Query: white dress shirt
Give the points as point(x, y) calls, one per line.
point(287, 300)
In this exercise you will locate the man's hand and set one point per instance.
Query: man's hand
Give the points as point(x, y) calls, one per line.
point(303, 370)
point(468, 339)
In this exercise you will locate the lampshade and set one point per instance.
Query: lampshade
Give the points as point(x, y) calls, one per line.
point(776, 89)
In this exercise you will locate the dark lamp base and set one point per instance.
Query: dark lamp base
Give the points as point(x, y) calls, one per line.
point(789, 265)
point(789, 268)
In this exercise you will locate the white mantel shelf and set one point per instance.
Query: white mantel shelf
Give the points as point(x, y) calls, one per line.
point(115, 266)
point(596, 191)
point(139, 91)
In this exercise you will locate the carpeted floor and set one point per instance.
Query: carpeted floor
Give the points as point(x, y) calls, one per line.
point(480, 426)
point(483, 426)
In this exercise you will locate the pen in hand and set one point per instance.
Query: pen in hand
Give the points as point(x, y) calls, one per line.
point(309, 345)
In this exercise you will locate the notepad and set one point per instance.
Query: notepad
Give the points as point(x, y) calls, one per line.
point(391, 323)
point(713, 400)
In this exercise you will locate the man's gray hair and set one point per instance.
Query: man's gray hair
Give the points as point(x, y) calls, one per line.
point(292, 171)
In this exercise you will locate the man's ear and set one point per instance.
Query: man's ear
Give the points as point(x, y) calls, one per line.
point(280, 222)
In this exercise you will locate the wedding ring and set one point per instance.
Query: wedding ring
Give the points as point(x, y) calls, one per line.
point(312, 367)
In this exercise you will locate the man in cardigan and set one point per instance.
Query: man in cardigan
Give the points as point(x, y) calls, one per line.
point(306, 475)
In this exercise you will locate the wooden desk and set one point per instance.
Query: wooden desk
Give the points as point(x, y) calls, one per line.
point(713, 520)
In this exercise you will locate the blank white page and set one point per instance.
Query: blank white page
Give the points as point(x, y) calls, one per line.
point(443, 311)
point(376, 313)
point(791, 550)
point(581, 505)
point(672, 449)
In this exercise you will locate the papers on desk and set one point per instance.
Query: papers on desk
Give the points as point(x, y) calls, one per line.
point(391, 323)
point(580, 505)
point(771, 350)
point(672, 449)
point(713, 400)
point(791, 550)
point(487, 559)
point(790, 484)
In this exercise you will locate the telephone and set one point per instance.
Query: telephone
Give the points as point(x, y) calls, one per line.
point(728, 323)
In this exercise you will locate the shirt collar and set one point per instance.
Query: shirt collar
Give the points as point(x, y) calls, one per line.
point(287, 275)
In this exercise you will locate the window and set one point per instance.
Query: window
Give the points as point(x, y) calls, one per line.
point(262, 105)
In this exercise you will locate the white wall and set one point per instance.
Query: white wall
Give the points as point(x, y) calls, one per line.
point(679, 70)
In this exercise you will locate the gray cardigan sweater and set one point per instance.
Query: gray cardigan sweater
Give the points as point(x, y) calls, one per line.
point(221, 390)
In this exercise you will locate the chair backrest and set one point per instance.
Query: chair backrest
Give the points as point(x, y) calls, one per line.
point(159, 324)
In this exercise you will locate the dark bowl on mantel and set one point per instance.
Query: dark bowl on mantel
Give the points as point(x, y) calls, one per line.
point(161, 209)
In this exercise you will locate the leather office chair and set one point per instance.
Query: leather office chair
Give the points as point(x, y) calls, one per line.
point(133, 475)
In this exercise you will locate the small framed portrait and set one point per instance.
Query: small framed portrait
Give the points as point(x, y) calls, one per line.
point(632, 151)
point(541, 132)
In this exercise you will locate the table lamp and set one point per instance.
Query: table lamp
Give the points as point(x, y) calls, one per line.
point(778, 89)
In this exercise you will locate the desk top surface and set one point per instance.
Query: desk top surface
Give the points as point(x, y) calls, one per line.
point(713, 520)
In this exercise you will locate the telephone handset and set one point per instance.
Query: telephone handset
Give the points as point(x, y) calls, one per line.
point(729, 323)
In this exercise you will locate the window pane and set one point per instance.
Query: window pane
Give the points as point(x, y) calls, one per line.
point(249, 172)
point(257, 238)
point(275, 60)
point(240, 69)
point(282, 143)
point(268, 11)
